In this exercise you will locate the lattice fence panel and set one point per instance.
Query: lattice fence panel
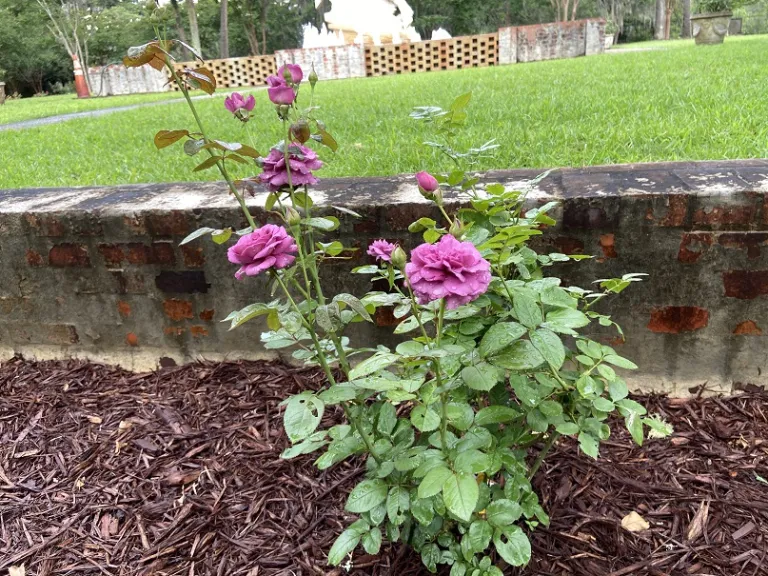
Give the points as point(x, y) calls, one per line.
point(460, 52)
point(237, 72)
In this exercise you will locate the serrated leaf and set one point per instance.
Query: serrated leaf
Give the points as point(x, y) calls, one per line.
point(566, 318)
point(196, 234)
point(344, 544)
point(471, 461)
point(482, 376)
point(620, 362)
point(432, 483)
point(221, 236)
point(502, 513)
point(527, 310)
point(167, 137)
point(355, 304)
point(479, 534)
point(567, 428)
point(550, 347)
point(207, 163)
point(424, 418)
point(520, 356)
point(460, 494)
point(373, 364)
point(495, 415)
point(460, 415)
point(366, 496)
point(617, 389)
point(512, 545)
point(372, 540)
point(338, 393)
point(302, 416)
point(589, 444)
point(326, 223)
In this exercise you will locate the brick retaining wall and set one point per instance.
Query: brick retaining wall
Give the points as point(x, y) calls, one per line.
point(99, 272)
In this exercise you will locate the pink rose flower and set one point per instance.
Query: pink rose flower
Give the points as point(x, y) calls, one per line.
point(294, 70)
point(279, 91)
point(267, 247)
point(303, 161)
point(235, 102)
point(381, 250)
point(449, 269)
point(426, 182)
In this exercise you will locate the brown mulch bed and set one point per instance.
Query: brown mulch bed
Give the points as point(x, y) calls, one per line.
point(107, 472)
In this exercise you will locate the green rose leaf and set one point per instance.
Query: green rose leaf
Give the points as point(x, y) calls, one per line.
point(460, 494)
point(550, 346)
point(502, 513)
point(513, 545)
point(479, 534)
point(366, 496)
point(424, 418)
point(372, 540)
point(482, 376)
point(589, 444)
point(522, 355)
point(347, 542)
point(495, 415)
point(433, 482)
point(499, 336)
point(527, 310)
point(302, 416)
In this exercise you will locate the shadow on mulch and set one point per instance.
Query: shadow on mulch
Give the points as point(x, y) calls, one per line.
point(107, 472)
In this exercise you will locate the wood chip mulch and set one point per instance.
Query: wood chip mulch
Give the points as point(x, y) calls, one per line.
point(107, 472)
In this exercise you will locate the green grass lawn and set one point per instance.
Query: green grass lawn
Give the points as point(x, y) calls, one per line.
point(691, 103)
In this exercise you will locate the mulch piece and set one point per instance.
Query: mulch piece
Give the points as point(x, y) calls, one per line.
point(103, 471)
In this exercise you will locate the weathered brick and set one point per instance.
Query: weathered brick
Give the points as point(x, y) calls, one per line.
point(749, 241)
point(726, 215)
point(677, 319)
point(129, 282)
point(170, 224)
point(34, 258)
point(176, 331)
point(135, 224)
point(585, 216)
point(131, 339)
point(198, 331)
point(178, 310)
point(677, 211)
point(567, 245)
point(745, 284)
point(112, 254)
point(366, 227)
point(193, 256)
point(693, 246)
point(608, 245)
point(186, 282)
point(747, 328)
point(68, 255)
point(207, 315)
point(385, 316)
point(51, 334)
point(123, 308)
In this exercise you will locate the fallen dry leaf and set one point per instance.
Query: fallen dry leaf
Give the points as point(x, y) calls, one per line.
point(633, 522)
point(94, 420)
point(17, 571)
point(699, 522)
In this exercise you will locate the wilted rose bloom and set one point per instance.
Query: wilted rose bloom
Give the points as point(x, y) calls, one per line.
point(279, 91)
point(381, 250)
point(235, 102)
point(294, 70)
point(303, 161)
point(449, 269)
point(267, 247)
point(426, 182)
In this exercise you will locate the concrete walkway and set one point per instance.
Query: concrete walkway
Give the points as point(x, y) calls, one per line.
point(35, 122)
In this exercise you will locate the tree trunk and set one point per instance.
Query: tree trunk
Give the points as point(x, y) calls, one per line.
point(668, 20)
point(575, 8)
point(264, 9)
point(686, 18)
point(193, 29)
point(180, 31)
point(661, 8)
point(224, 31)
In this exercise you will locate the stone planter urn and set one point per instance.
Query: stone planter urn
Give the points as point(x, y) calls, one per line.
point(710, 28)
point(608, 41)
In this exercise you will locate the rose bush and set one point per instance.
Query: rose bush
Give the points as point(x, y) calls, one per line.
point(493, 366)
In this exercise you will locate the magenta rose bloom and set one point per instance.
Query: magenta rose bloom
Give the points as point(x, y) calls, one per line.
point(426, 182)
point(279, 91)
point(449, 269)
point(303, 161)
point(235, 102)
point(381, 250)
point(294, 70)
point(267, 247)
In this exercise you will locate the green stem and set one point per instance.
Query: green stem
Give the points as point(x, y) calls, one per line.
point(220, 164)
point(326, 369)
point(544, 451)
point(438, 375)
point(445, 214)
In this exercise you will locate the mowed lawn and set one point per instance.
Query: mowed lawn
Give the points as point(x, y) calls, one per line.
point(687, 103)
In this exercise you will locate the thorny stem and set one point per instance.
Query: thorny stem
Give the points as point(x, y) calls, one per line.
point(443, 395)
point(544, 451)
point(328, 373)
point(220, 164)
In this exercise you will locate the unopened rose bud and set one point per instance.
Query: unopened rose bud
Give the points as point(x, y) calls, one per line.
point(292, 217)
point(283, 110)
point(300, 130)
point(313, 77)
point(398, 258)
point(287, 75)
point(427, 183)
point(457, 229)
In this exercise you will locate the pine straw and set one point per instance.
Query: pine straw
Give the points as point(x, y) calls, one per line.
point(107, 472)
